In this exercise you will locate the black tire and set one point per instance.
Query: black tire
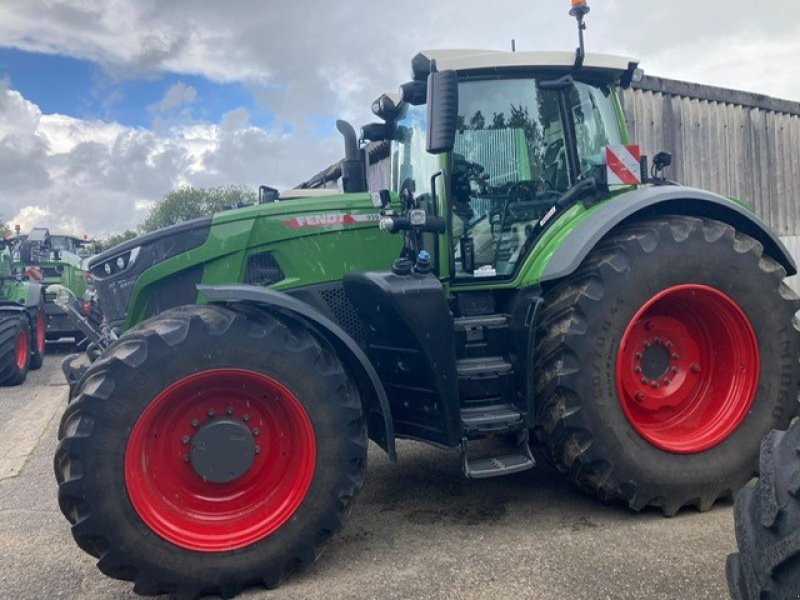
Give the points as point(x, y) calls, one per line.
point(581, 420)
point(37, 354)
point(767, 517)
point(12, 373)
point(111, 398)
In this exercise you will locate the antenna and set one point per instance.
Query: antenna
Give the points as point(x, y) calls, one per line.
point(579, 10)
point(513, 45)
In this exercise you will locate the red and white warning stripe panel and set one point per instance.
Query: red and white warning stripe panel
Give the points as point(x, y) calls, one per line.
point(622, 165)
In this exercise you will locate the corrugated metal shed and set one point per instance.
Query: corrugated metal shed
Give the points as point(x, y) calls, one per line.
point(734, 143)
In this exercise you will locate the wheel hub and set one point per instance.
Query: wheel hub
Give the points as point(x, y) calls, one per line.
point(687, 368)
point(222, 450)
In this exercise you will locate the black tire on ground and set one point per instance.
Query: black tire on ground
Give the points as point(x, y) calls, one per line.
point(767, 519)
point(37, 348)
point(12, 373)
point(580, 418)
point(132, 374)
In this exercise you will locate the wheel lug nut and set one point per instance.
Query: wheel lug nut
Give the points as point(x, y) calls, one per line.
point(667, 381)
point(638, 369)
point(654, 384)
point(674, 369)
point(246, 418)
point(211, 412)
point(669, 345)
point(638, 396)
point(658, 340)
point(675, 356)
point(695, 368)
point(230, 410)
point(256, 431)
point(646, 344)
point(195, 422)
point(638, 356)
point(185, 439)
point(644, 380)
point(258, 449)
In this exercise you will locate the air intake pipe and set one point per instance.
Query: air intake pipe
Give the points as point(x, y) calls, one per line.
point(354, 177)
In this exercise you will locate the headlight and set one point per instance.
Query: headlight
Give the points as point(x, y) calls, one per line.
point(116, 265)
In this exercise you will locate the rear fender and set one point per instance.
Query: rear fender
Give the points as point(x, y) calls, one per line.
point(649, 202)
point(373, 396)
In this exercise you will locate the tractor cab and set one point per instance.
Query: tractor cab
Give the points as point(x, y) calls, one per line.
point(527, 129)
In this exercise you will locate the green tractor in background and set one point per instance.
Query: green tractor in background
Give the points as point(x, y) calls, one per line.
point(522, 276)
point(22, 320)
point(55, 260)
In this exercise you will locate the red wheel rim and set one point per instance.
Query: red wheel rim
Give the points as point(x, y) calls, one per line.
point(688, 368)
point(191, 512)
point(22, 349)
point(40, 331)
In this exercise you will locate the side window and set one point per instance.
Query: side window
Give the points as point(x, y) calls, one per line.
point(510, 165)
point(595, 123)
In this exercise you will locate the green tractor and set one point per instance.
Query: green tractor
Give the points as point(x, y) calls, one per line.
point(523, 277)
point(55, 260)
point(22, 320)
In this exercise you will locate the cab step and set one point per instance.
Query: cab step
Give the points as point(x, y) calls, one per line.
point(496, 466)
point(481, 420)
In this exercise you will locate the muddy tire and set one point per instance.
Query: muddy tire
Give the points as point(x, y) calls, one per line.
point(663, 361)
point(209, 450)
point(767, 517)
point(15, 336)
point(38, 336)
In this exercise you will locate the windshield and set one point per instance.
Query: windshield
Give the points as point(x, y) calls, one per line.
point(411, 164)
point(509, 167)
point(512, 161)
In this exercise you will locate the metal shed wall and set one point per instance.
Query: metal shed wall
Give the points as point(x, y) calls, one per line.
point(734, 143)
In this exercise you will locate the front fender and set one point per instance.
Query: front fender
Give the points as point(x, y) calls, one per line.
point(373, 396)
point(659, 200)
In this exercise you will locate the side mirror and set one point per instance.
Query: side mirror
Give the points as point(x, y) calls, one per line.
point(375, 132)
point(442, 111)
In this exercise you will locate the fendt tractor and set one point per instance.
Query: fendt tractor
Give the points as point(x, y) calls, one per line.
point(524, 276)
point(55, 259)
point(22, 320)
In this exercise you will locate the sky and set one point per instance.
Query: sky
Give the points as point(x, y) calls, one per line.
point(105, 106)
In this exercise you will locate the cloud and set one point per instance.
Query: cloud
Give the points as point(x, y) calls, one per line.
point(306, 62)
point(89, 176)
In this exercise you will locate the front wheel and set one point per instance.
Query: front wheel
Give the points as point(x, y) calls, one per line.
point(241, 441)
point(15, 358)
point(664, 360)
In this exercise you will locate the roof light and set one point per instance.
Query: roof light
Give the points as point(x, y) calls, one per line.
point(579, 7)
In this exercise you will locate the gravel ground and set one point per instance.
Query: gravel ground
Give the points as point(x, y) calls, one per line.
point(419, 530)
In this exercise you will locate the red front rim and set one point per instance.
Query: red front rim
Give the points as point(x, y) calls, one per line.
point(22, 349)
point(193, 513)
point(40, 331)
point(688, 368)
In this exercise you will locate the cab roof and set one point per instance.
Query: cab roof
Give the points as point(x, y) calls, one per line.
point(481, 60)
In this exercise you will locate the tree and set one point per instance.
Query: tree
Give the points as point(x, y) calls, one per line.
point(116, 240)
point(188, 203)
point(184, 204)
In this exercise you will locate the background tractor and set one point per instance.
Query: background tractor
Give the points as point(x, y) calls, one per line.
point(22, 320)
point(55, 260)
point(544, 280)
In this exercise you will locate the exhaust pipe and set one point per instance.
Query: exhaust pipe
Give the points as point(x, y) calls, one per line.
point(354, 177)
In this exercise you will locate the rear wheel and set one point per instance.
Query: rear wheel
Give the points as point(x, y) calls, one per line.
point(225, 449)
point(663, 362)
point(768, 524)
point(15, 334)
point(38, 339)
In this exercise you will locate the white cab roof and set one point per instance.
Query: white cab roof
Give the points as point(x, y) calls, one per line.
point(465, 60)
